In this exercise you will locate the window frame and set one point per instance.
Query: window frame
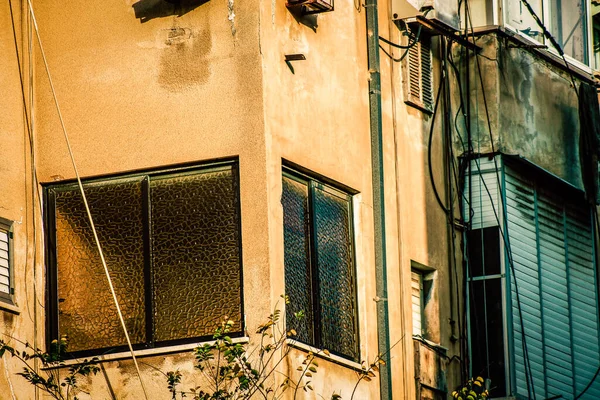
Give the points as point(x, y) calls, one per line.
point(7, 226)
point(312, 181)
point(49, 217)
point(499, 17)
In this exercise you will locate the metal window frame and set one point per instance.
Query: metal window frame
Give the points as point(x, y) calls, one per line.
point(500, 11)
point(49, 217)
point(313, 182)
point(7, 226)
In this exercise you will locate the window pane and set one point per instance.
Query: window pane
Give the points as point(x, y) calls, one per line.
point(487, 333)
point(298, 281)
point(482, 12)
point(519, 17)
point(568, 25)
point(484, 251)
point(87, 314)
point(335, 261)
point(195, 254)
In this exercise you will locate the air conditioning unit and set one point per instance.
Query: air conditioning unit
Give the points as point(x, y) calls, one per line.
point(444, 12)
point(310, 6)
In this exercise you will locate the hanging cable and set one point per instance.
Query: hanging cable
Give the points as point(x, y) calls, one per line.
point(529, 376)
point(506, 237)
point(431, 178)
point(85, 202)
point(410, 45)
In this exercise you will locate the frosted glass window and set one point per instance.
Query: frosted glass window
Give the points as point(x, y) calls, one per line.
point(172, 246)
point(319, 264)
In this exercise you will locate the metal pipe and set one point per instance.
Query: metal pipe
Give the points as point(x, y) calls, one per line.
point(383, 333)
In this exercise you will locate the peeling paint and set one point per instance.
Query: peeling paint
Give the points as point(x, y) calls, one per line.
point(184, 60)
point(231, 16)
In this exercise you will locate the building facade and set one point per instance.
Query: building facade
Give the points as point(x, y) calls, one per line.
point(417, 179)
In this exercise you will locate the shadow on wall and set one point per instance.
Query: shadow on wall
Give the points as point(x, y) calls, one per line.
point(146, 10)
point(308, 20)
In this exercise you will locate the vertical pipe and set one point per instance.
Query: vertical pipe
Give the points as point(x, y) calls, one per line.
point(383, 335)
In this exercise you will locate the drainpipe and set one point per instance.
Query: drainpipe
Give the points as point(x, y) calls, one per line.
point(383, 333)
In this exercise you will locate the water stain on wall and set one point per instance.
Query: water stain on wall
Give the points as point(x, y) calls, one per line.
point(184, 60)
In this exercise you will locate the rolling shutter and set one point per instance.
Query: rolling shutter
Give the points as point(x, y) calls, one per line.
point(553, 257)
point(521, 228)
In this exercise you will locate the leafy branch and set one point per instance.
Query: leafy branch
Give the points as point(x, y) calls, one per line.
point(49, 380)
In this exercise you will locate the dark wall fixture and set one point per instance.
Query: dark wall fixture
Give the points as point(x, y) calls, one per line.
point(305, 7)
point(145, 10)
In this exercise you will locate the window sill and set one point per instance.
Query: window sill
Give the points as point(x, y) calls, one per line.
point(146, 352)
point(8, 307)
point(344, 362)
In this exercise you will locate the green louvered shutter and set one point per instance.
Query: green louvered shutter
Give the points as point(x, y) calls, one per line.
point(482, 204)
point(553, 256)
point(555, 296)
point(583, 296)
point(521, 228)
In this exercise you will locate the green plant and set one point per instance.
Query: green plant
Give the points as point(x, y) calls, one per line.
point(50, 380)
point(230, 371)
point(474, 389)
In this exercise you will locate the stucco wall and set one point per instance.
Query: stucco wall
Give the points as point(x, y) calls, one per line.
point(140, 93)
point(15, 200)
point(153, 89)
point(317, 116)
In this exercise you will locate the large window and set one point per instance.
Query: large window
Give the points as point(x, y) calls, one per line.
point(532, 284)
point(319, 264)
point(172, 245)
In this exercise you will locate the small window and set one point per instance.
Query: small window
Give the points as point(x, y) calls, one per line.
point(171, 240)
point(416, 290)
point(422, 288)
point(319, 264)
point(6, 289)
point(419, 74)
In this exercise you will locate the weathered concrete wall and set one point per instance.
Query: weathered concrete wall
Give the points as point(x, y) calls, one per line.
point(532, 107)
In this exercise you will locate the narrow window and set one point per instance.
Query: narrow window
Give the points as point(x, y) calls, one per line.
point(416, 290)
point(319, 264)
point(6, 290)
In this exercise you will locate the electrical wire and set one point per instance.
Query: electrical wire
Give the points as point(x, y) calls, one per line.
point(506, 237)
point(85, 202)
point(409, 45)
point(399, 46)
point(431, 178)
